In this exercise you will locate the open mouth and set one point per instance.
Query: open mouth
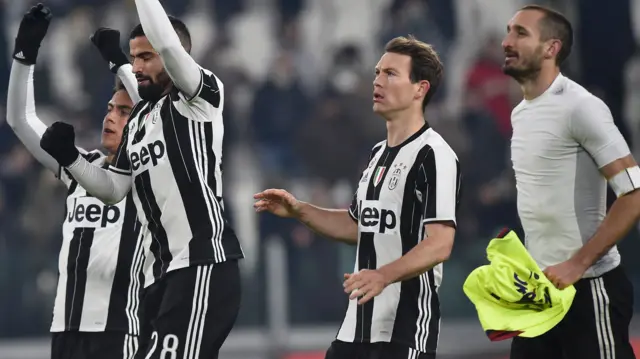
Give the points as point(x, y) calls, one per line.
point(142, 81)
point(377, 97)
point(510, 56)
point(108, 131)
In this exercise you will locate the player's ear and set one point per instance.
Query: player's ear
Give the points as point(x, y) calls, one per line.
point(423, 88)
point(553, 48)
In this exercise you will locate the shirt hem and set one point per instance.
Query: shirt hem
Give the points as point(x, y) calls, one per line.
point(92, 330)
point(189, 263)
point(411, 345)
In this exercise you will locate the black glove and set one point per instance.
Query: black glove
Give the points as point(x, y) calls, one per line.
point(32, 30)
point(108, 43)
point(59, 141)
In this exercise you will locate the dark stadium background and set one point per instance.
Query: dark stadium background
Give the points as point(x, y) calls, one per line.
point(298, 77)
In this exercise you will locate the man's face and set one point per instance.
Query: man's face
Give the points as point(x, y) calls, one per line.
point(153, 79)
point(115, 120)
point(524, 52)
point(392, 87)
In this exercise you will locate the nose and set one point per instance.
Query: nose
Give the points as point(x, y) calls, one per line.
point(137, 66)
point(108, 118)
point(377, 82)
point(507, 42)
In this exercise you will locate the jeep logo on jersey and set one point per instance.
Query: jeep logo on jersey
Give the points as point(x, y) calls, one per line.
point(150, 153)
point(377, 217)
point(91, 213)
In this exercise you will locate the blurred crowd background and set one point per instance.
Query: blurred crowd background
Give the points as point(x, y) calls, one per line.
point(298, 77)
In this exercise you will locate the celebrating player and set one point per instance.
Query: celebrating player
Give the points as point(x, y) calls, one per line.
point(96, 307)
point(170, 156)
point(565, 147)
point(403, 217)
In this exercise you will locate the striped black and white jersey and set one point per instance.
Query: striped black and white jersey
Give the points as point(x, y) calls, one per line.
point(173, 150)
point(100, 262)
point(402, 189)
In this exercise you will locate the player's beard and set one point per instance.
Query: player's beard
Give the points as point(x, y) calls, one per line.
point(529, 69)
point(155, 89)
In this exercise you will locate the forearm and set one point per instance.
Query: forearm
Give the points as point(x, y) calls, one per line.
point(129, 81)
point(103, 184)
point(332, 223)
point(182, 69)
point(423, 257)
point(21, 114)
point(622, 216)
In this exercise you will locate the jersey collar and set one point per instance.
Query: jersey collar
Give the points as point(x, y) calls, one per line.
point(422, 130)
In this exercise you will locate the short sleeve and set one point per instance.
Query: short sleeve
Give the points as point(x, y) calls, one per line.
point(353, 209)
point(593, 128)
point(121, 164)
point(439, 180)
point(65, 176)
point(206, 104)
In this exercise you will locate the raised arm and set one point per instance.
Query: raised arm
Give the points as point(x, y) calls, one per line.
point(107, 41)
point(21, 114)
point(182, 69)
point(21, 108)
point(125, 74)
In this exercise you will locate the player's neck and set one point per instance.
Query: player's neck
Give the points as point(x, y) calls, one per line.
point(110, 158)
point(401, 128)
point(532, 88)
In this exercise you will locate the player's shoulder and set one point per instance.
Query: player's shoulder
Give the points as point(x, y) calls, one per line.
point(434, 144)
point(377, 147)
point(135, 111)
point(518, 108)
point(575, 95)
point(208, 73)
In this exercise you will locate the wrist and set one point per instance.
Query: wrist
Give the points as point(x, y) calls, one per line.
point(20, 58)
point(299, 210)
point(74, 163)
point(388, 273)
point(582, 259)
point(71, 158)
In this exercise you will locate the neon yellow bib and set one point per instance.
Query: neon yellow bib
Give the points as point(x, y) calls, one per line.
point(511, 294)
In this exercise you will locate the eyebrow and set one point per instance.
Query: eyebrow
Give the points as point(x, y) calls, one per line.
point(144, 53)
point(517, 27)
point(386, 69)
point(119, 107)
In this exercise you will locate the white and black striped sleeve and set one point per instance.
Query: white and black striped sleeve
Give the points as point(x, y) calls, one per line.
point(353, 208)
point(121, 164)
point(439, 183)
point(206, 103)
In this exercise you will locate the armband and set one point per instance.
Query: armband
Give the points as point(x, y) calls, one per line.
point(625, 181)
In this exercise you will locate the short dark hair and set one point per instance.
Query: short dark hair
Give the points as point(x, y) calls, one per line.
point(179, 27)
point(118, 86)
point(554, 25)
point(425, 62)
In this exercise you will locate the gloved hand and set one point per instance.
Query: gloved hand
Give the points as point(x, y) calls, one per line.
point(32, 30)
point(108, 43)
point(59, 141)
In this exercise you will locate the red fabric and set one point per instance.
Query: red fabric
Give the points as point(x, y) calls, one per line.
point(487, 80)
